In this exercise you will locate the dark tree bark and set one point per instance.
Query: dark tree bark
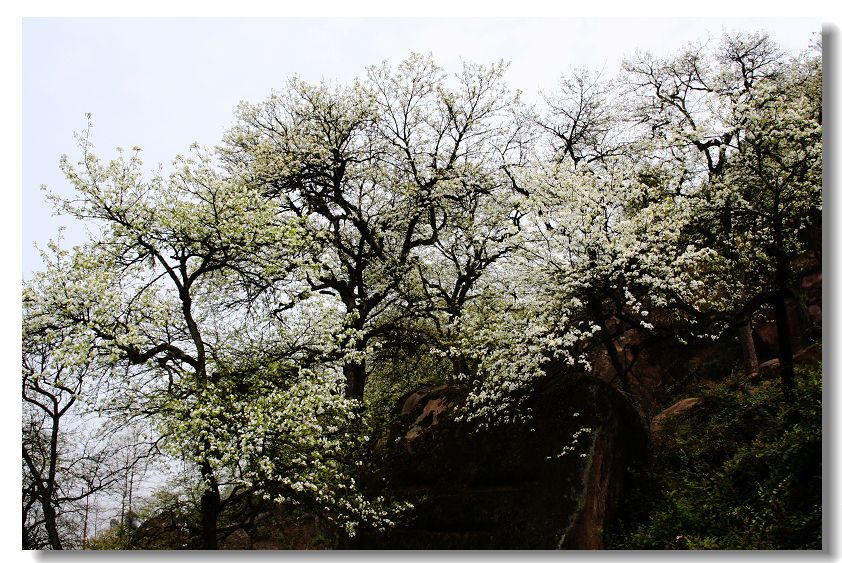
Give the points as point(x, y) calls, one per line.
point(45, 491)
point(748, 348)
point(355, 378)
point(210, 507)
point(42, 459)
point(783, 273)
point(785, 355)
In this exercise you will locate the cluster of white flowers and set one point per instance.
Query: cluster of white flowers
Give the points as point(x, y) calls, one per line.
point(295, 444)
point(571, 447)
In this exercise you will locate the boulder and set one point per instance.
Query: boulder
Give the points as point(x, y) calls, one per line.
point(677, 409)
point(548, 480)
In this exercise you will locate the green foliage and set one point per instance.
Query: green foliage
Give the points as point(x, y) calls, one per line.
point(742, 471)
point(114, 538)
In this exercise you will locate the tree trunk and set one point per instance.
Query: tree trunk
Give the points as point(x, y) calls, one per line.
point(783, 269)
point(85, 522)
point(595, 309)
point(355, 378)
point(784, 344)
point(210, 506)
point(50, 523)
point(749, 351)
point(616, 363)
point(50, 516)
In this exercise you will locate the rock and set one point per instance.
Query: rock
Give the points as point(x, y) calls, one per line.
point(270, 527)
point(165, 530)
point(678, 408)
point(769, 368)
point(805, 313)
point(810, 355)
point(548, 482)
point(238, 540)
point(811, 280)
point(409, 402)
point(433, 402)
point(659, 366)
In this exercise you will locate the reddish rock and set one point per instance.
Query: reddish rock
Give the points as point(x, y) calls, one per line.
point(528, 484)
point(810, 355)
point(598, 498)
point(678, 408)
point(659, 366)
point(811, 280)
point(768, 369)
point(411, 401)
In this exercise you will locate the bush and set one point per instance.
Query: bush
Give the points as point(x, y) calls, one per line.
point(741, 471)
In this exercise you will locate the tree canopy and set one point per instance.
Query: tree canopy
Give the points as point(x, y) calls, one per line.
point(260, 307)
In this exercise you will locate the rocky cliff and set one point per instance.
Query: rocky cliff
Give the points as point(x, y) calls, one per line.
point(548, 481)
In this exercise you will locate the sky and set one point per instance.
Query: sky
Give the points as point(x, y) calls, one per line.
point(163, 84)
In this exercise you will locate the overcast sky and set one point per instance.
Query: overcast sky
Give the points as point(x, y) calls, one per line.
point(165, 83)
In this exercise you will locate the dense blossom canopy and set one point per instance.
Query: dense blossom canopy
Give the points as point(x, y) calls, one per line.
point(261, 305)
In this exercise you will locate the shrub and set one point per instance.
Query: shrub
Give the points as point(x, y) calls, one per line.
point(741, 471)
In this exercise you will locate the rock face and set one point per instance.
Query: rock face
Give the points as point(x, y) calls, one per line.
point(549, 482)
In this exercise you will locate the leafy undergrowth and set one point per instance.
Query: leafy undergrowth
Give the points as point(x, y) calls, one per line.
point(740, 471)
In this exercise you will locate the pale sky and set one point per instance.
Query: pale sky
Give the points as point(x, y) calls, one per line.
point(165, 83)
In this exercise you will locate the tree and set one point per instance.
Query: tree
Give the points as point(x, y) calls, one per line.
point(775, 183)
point(706, 112)
point(479, 195)
point(612, 256)
point(64, 463)
point(374, 170)
point(583, 121)
point(47, 400)
point(312, 150)
point(237, 308)
point(185, 267)
point(608, 221)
